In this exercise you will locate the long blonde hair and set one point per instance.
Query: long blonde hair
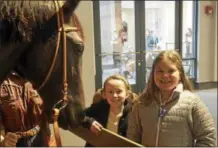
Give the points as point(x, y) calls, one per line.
point(174, 57)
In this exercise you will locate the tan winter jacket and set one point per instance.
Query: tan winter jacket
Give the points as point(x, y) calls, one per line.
point(185, 119)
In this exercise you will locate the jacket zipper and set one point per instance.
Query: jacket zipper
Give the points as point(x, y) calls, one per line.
point(158, 131)
point(162, 113)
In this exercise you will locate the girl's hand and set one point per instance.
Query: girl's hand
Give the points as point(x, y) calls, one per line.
point(96, 127)
point(10, 140)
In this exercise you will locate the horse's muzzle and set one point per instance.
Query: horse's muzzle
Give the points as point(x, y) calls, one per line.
point(72, 115)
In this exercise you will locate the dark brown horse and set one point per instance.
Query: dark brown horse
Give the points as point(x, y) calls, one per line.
point(28, 39)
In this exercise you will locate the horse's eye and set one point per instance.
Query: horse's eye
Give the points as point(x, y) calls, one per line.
point(79, 48)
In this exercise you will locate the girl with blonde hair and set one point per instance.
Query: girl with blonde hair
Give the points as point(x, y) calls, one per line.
point(168, 113)
point(111, 111)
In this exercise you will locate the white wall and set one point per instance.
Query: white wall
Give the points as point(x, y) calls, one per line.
point(85, 15)
point(216, 39)
point(207, 45)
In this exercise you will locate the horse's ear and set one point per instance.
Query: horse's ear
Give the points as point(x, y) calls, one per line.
point(77, 3)
point(72, 4)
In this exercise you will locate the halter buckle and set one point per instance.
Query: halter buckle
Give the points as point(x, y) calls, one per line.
point(67, 28)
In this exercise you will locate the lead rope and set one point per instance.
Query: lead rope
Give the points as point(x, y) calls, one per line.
point(55, 111)
point(56, 128)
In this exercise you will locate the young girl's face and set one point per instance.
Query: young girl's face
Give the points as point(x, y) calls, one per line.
point(166, 76)
point(115, 92)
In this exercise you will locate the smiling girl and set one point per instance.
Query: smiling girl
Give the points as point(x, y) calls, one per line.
point(168, 113)
point(112, 110)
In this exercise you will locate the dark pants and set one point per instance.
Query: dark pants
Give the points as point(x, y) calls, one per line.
point(32, 141)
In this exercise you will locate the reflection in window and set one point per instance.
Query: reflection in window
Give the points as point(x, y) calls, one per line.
point(160, 30)
point(187, 39)
point(160, 25)
point(118, 39)
point(188, 66)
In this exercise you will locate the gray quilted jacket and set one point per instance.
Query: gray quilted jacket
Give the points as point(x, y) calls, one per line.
point(184, 122)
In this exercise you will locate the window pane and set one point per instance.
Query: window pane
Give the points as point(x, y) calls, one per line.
point(160, 29)
point(118, 39)
point(160, 25)
point(187, 39)
point(189, 68)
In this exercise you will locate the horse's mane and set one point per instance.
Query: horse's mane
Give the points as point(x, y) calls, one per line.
point(30, 14)
point(20, 17)
point(37, 10)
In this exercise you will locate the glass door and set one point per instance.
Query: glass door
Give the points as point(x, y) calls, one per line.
point(188, 38)
point(160, 30)
point(117, 40)
point(130, 34)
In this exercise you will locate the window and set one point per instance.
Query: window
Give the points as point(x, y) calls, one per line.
point(130, 34)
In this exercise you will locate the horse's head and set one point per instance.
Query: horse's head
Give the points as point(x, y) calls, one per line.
point(37, 30)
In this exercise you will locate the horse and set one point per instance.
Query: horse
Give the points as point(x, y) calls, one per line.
point(30, 43)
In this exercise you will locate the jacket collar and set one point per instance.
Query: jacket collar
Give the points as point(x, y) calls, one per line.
point(177, 91)
point(175, 94)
